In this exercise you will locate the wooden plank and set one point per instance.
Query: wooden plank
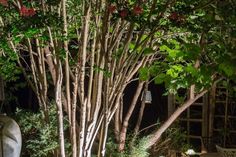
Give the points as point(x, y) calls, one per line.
point(171, 104)
point(205, 116)
point(198, 104)
point(191, 120)
point(195, 137)
point(226, 114)
point(211, 110)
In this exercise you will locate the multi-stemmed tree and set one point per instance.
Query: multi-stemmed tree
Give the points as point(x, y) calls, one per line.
point(89, 51)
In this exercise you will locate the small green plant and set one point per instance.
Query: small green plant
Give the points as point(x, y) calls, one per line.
point(140, 149)
point(173, 139)
point(40, 139)
point(135, 148)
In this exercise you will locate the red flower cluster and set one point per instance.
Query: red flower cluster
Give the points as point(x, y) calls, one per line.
point(27, 11)
point(176, 17)
point(173, 16)
point(137, 10)
point(111, 8)
point(4, 3)
point(123, 13)
point(24, 11)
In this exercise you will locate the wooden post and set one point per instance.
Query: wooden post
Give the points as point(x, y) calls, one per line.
point(205, 113)
point(226, 116)
point(171, 104)
point(205, 123)
point(211, 110)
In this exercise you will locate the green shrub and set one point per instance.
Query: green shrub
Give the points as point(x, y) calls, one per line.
point(40, 139)
point(174, 138)
point(134, 148)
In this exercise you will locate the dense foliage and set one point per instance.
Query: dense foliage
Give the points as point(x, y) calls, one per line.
point(40, 139)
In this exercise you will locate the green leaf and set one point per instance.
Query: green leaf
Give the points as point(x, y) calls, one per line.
point(175, 43)
point(178, 68)
point(165, 48)
point(31, 32)
point(147, 51)
point(228, 69)
point(160, 78)
point(190, 69)
point(144, 74)
point(172, 73)
point(17, 39)
point(172, 53)
point(131, 46)
point(154, 69)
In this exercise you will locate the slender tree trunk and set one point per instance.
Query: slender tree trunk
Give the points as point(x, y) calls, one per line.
point(60, 110)
point(103, 137)
point(67, 68)
point(140, 116)
point(84, 101)
point(73, 115)
point(128, 115)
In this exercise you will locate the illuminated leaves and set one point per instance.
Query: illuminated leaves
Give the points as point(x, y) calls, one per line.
point(144, 73)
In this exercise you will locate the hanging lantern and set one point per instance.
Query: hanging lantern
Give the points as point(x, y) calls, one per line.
point(147, 97)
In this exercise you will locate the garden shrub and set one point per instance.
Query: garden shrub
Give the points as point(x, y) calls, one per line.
point(40, 139)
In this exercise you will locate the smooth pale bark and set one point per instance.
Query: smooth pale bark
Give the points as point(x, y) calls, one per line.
point(60, 110)
point(128, 115)
point(73, 115)
point(141, 111)
point(83, 109)
point(41, 79)
point(38, 78)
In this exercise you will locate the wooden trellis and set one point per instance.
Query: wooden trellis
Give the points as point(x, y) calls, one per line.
point(223, 121)
point(211, 120)
point(194, 120)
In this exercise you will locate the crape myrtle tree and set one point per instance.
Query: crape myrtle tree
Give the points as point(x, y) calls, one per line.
point(89, 51)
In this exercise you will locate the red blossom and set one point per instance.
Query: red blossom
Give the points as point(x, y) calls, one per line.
point(177, 17)
point(123, 13)
point(31, 11)
point(174, 16)
point(23, 11)
point(4, 3)
point(111, 8)
point(27, 11)
point(137, 10)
